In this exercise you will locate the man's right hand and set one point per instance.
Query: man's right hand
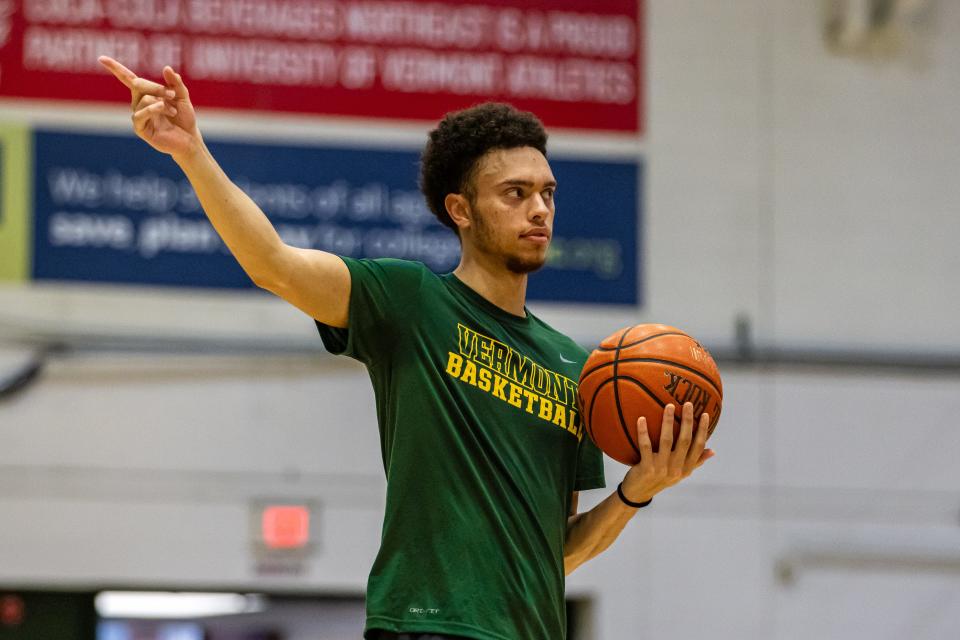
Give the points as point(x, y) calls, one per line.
point(314, 281)
point(162, 113)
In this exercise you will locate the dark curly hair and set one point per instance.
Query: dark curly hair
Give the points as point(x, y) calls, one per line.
point(461, 138)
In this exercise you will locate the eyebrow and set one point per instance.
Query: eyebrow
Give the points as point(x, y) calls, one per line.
point(524, 183)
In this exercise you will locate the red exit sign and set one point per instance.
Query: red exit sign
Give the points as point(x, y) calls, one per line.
point(285, 526)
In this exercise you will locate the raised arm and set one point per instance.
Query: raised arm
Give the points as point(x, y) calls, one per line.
point(316, 282)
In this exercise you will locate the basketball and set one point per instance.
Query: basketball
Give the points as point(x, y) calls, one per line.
point(638, 371)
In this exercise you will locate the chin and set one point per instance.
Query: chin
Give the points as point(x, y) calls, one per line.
point(523, 266)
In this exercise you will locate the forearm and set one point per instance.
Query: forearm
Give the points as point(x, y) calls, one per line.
point(238, 220)
point(590, 533)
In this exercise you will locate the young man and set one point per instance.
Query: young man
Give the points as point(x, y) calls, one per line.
point(481, 442)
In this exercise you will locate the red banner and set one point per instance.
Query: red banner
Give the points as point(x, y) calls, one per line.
point(575, 64)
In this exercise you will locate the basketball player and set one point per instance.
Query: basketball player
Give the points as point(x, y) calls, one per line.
point(481, 442)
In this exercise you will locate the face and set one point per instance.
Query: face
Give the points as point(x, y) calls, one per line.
point(510, 216)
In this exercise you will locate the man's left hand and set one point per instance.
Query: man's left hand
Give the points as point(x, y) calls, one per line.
point(672, 462)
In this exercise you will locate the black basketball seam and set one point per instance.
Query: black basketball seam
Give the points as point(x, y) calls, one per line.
point(663, 405)
point(660, 403)
point(642, 340)
point(616, 395)
point(593, 403)
point(713, 421)
point(586, 414)
point(584, 375)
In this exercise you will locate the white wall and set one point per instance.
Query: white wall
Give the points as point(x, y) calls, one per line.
point(864, 191)
point(812, 193)
point(102, 486)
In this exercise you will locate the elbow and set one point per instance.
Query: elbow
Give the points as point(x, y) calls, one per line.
point(269, 269)
point(269, 275)
point(573, 559)
point(264, 280)
point(571, 563)
point(276, 286)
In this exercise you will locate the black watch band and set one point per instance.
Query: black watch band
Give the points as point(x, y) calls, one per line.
point(629, 503)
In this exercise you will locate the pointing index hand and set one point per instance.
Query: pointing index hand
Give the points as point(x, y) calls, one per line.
point(138, 86)
point(119, 71)
point(162, 113)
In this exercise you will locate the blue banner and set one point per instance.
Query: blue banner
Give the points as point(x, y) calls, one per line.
point(111, 209)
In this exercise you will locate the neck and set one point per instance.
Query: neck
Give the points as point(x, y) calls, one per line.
point(496, 283)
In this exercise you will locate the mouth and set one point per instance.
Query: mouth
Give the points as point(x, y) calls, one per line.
point(540, 236)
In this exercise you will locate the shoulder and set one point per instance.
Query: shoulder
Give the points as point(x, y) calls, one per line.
point(388, 265)
point(392, 271)
point(559, 340)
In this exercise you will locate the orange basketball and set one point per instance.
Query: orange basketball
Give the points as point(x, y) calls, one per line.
point(637, 372)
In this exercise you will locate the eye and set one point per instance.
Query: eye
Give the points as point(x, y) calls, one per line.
point(516, 192)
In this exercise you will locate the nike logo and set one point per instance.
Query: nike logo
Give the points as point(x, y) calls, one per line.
point(565, 360)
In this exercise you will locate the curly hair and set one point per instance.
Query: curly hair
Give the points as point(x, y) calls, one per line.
point(463, 137)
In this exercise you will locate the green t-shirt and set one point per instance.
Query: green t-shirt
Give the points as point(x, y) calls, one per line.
point(482, 445)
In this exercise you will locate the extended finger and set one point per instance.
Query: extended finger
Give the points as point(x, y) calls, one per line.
point(682, 445)
point(173, 79)
point(643, 441)
point(699, 442)
point(119, 71)
point(666, 430)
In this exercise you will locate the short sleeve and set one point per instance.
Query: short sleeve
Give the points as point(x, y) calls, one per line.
point(383, 302)
point(589, 466)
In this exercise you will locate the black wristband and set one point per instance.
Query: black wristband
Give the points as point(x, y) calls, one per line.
point(635, 505)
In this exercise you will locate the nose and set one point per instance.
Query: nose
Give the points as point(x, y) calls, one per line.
point(539, 210)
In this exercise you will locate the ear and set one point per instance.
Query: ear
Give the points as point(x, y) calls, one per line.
point(459, 209)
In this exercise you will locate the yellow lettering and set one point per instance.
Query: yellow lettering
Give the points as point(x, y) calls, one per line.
point(491, 365)
point(498, 386)
point(484, 382)
point(572, 425)
point(520, 368)
point(454, 362)
point(553, 383)
point(468, 340)
point(485, 351)
point(546, 409)
point(514, 398)
point(470, 373)
point(530, 396)
point(498, 359)
point(560, 416)
point(540, 380)
point(569, 390)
